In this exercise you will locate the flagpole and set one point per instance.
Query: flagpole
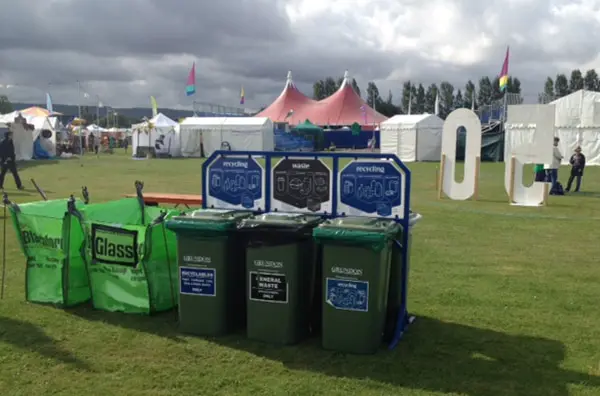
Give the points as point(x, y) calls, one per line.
point(78, 99)
point(505, 105)
point(98, 110)
point(81, 123)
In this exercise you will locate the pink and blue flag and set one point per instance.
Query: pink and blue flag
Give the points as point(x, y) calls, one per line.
point(190, 88)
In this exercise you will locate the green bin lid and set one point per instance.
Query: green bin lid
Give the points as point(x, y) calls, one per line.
point(365, 224)
point(283, 219)
point(208, 219)
point(358, 231)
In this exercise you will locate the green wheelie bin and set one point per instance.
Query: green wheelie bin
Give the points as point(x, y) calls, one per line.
point(358, 256)
point(211, 271)
point(280, 274)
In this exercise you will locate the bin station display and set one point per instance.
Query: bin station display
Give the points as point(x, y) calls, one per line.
point(295, 248)
point(285, 247)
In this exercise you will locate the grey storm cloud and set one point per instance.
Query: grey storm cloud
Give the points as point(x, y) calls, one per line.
point(125, 50)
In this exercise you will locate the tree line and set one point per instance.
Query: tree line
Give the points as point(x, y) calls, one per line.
point(562, 85)
point(421, 99)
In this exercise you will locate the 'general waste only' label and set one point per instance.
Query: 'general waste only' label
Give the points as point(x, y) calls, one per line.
point(268, 287)
point(348, 295)
point(197, 281)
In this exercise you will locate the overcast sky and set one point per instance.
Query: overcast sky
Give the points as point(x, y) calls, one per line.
point(125, 50)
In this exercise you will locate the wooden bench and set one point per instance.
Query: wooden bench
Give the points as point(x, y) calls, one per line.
point(153, 199)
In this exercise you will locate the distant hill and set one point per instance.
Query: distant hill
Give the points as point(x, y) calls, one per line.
point(135, 113)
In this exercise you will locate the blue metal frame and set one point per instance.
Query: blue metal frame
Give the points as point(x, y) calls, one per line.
point(404, 319)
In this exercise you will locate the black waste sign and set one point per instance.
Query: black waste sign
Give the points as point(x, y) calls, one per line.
point(301, 183)
point(268, 287)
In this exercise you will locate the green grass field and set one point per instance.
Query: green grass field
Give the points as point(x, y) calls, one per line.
point(505, 297)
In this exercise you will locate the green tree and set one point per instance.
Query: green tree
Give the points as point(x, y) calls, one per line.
point(576, 82)
point(561, 86)
point(373, 97)
point(514, 85)
point(549, 87)
point(420, 99)
point(406, 97)
point(485, 91)
point(496, 92)
point(5, 105)
point(590, 81)
point(548, 95)
point(387, 107)
point(330, 86)
point(446, 99)
point(470, 95)
point(459, 100)
point(319, 90)
point(430, 94)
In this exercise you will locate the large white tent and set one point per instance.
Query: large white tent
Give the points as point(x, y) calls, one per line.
point(24, 139)
point(143, 136)
point(576, 123)
point(237, 133)
point(412, 137)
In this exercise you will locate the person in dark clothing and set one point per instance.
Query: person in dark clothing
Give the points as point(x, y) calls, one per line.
point(577, 162)
point(8, 160)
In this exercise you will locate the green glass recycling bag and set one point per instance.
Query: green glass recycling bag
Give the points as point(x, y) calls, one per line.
point(131, 258)
point(51, 240)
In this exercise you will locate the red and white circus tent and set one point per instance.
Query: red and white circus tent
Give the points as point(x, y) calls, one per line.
point(289, 106)
point(343, 108)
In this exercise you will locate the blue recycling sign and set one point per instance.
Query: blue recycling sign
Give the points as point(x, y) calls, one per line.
point(235, 183)
point(347, 295)
point(370, 188)
point(198, 281)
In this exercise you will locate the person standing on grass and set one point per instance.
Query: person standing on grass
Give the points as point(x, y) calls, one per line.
point(552, 168)
point(8, 161)
point(577, 162)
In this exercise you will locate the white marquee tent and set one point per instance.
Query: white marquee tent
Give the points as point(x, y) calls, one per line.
point(412, 137)
point(162, 125)
point(577, 123)
point(240, 133)
point(24, 140)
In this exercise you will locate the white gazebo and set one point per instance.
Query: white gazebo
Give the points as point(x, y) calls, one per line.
point(146, 134)
point(416, 137)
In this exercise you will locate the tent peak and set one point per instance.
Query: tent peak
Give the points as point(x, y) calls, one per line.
point(289, 82)
point(345, 80)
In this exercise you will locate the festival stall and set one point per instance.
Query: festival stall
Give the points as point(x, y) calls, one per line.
point(209, 134)
point(159, 135)
point(412, 137)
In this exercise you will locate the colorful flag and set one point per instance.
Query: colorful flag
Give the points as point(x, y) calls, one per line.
point(504, 73)
point(242, 96)
point(154, 106)
point(190, 88)
point(49, 103)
